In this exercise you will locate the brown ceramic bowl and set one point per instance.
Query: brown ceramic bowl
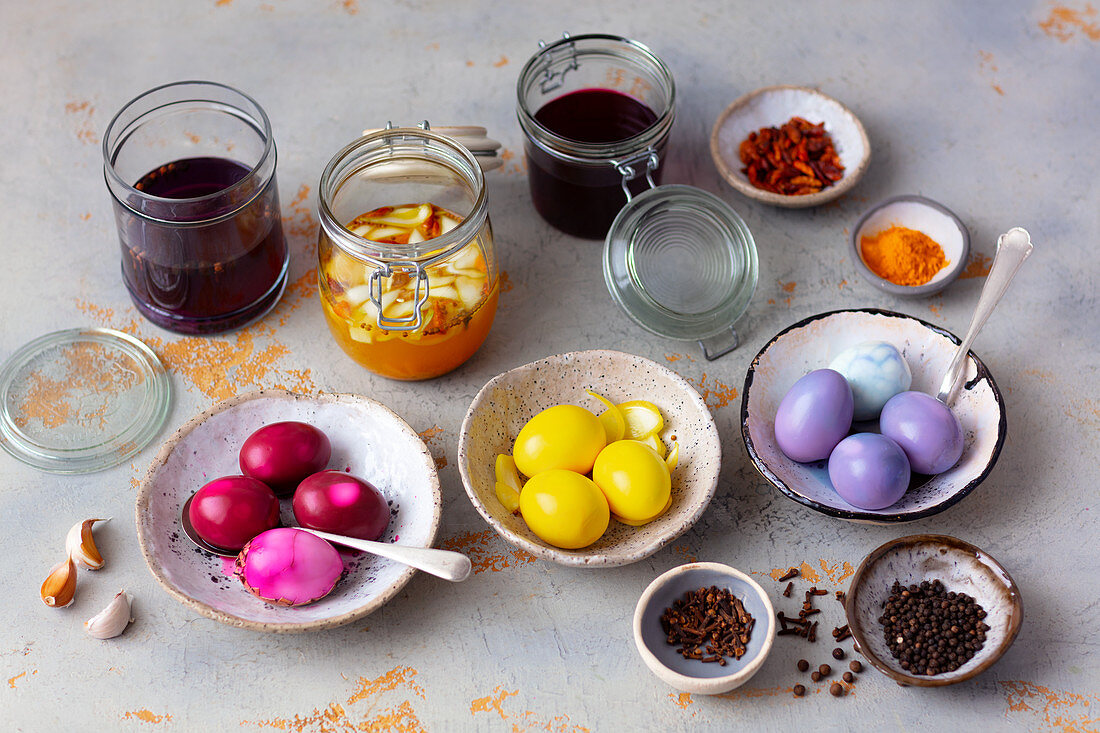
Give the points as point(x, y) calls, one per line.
point(962, 568)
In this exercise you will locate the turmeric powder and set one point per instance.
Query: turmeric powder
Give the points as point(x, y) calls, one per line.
point(903, 256)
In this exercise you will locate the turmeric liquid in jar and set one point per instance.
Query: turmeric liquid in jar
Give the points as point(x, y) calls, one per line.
point(457, 313)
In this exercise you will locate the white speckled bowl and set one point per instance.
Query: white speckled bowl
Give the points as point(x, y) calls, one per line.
point(691, 675)
point(367, 438)
point(812, 344)
point(924, 215)
point(773, 106)
point(962, 568)
point(508, 401)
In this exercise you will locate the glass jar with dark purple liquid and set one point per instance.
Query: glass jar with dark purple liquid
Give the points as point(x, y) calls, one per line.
point(596, 111)
point(203, 249)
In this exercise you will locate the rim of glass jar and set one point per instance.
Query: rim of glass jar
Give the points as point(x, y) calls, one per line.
point(345, 164)
point(575, 150)
point(112, 144)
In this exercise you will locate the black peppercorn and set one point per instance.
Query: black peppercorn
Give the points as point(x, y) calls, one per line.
point(848, 677)
point(803, 665)
point(815, 676)
point(836, 689)
point(856, 666)
point(929, 630)
point(825, 670)
point(838, 653)
point(799, 690)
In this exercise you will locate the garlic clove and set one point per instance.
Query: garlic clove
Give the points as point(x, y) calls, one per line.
point(112, 620)
point(80, 545)
point(59, 588)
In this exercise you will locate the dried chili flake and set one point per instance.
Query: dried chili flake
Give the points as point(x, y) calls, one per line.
point(794, 160)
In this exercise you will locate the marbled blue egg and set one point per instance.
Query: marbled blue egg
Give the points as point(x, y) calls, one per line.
point(876, 371)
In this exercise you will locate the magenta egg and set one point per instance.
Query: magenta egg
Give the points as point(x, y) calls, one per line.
point(333, 501)
point(289, 567)
point(869, 471)
point(284, 453)
point(925, 428)
point(814, 415)
point(229, 511)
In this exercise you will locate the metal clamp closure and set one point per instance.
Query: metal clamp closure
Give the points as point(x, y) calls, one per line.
point(627, 168)
point(413, 321)
point(565, 52)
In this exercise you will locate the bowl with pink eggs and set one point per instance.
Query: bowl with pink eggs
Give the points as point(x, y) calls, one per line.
point(813, 344)
point(366, 440)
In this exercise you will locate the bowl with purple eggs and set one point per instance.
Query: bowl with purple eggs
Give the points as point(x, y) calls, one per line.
point(825, 468)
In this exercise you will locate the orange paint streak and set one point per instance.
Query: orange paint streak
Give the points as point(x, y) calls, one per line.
point(469, 63)
point(505, 282)
point(787, 287)
point(398, 677)
point(300, 224)
point(834, 571)
point(685, 553)
point(85, 132)
point(753, 693)
point(86, 216)
point(977, 266)
point(491, 702)
point(506, 155)
point(717, 394)
point(1056, 710)
point(1064, 22)
point(524, 721)
point(334, 718)
point(192, 137)
point(429, 436)
point(771, 301)
point(502, 62)
point(12, 680)
point(432, 47)
point(147, 716)
point(936, 309)
point(481, 547)
point(1086, 413)
point(1044, 377)
point(841, 284)
point(223, 3)
point(682, 700)
point(351, 7)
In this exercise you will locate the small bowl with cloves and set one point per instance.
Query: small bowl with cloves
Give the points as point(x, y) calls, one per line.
point(932, 610)
point(704, 628)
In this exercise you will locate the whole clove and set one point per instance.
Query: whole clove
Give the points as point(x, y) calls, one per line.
point(709, 624)
point(787, 590)
point(792, 573)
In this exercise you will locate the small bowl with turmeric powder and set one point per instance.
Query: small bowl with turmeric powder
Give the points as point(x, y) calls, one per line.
point(910, 246)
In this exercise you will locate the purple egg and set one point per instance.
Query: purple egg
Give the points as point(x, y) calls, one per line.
point(815, 415)
point(926, 430)
point(869, 470)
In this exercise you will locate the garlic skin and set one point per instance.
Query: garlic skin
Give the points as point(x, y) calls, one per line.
point(59, 588)
point(112, 620)
point(80, 545)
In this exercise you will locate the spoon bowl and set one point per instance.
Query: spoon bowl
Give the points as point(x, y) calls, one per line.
point(453, 566)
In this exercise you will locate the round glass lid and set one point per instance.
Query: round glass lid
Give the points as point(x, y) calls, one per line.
point(680, 262)
point(81, 400)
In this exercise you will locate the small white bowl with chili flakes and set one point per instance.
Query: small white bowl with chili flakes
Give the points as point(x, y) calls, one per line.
point(802, 148)
point(910, 261)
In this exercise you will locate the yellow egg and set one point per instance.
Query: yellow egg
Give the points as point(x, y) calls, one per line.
point(564, 508)
point(565, 436)
point(634, 478)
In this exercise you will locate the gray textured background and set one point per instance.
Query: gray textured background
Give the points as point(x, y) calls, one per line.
point(989, 108)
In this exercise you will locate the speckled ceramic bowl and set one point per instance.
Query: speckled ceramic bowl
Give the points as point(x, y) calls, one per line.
point(812, 344)
point(924, 215)
point(367, 439)
point(773, 106)
point(962, 568)
point(508, 401)
point(691, 675)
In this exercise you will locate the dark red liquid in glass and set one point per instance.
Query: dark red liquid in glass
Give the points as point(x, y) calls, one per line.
point(583, 200)
point(202, 268)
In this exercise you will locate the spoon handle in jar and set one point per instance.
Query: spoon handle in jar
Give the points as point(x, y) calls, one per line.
point(444, 564)
point(1013, 247)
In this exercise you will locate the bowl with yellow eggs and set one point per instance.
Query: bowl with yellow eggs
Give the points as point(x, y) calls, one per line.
point(564, 457)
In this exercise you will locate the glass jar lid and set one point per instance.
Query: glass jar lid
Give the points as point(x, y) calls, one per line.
point(683, 265)
point(81, 400)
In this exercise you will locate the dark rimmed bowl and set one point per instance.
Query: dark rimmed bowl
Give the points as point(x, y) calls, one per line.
point(924, 215)
point(963, 568)
point(811, 344)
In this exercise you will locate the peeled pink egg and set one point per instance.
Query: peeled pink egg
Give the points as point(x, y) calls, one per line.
point(925, 428)
point(814, 415)
point(289, 567)
point(869, 471)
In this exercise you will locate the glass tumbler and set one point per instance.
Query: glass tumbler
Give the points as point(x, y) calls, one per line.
point(191, 171)
point(408, 274)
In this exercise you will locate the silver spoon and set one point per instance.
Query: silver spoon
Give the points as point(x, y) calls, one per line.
point(453, 566)
point(1013, 247)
